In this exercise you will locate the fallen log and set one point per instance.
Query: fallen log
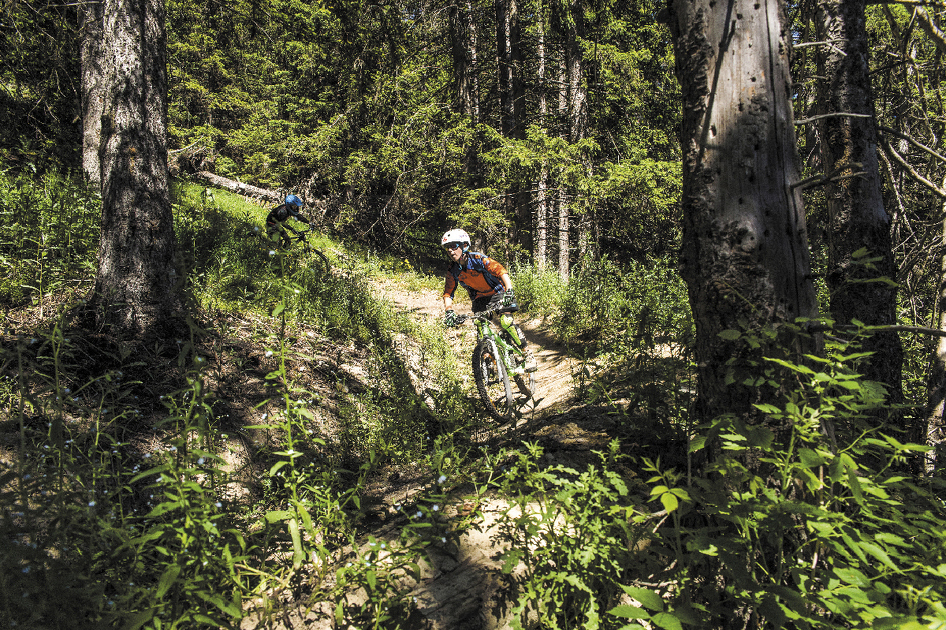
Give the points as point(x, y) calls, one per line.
point(240, 188)
point(313, 208)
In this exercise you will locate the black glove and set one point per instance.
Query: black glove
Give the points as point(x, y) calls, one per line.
point(503, 301)
point(449, 318)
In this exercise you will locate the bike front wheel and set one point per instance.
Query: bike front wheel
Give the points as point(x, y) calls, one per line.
point(526, 384)
point(492, 381)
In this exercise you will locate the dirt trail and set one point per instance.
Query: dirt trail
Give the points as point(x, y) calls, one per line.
point(554, 376)
point(461, 586)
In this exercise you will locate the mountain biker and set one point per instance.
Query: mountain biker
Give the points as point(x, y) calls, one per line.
point(488, 284)
point(275, 220)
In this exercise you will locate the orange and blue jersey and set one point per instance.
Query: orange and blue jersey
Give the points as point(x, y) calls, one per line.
point(479, 275)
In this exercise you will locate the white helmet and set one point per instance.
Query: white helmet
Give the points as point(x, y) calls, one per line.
point(456, 236)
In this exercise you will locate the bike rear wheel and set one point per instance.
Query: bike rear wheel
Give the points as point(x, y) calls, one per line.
point(492, 382)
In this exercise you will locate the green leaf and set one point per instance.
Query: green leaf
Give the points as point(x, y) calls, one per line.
point(626, 611)
point(277, 515)
point(669, 501)
point(811, 458)
point(139, 619)
point(668, 621)
point(276, 467)
point(224, 605)
point(167, 579)
point(697, 443)
point(878, 552)
point(646, 597)
point(730, 334)
point(298, 555)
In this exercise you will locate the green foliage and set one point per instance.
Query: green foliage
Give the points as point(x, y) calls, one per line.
point(571, 535)
point(40, 95)
point(539, 291)
point(623, 307)
point(815, 524)
point(48, 235)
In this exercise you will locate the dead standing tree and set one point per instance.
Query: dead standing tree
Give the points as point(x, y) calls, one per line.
point(745, 251)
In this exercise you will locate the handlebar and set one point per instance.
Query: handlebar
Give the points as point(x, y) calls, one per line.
point(482, 315)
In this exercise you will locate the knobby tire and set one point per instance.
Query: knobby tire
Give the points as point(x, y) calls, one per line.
point(526, 384)
point(492, 382)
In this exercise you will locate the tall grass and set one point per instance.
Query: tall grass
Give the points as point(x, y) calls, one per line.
point(48, 235)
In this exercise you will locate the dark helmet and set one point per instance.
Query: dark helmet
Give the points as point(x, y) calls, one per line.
point(292, 200)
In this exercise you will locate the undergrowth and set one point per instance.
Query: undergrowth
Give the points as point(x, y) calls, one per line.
point(124, 501)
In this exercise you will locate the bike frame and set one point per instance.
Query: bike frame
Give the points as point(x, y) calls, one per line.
point(504, 350)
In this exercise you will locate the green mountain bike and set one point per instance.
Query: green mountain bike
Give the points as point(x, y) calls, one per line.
point(496, 362)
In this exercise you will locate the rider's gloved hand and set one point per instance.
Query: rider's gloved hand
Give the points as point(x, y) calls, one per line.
point(509, 299)
point(450, 318)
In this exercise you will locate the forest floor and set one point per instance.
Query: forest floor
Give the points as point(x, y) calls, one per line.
point(461, 585)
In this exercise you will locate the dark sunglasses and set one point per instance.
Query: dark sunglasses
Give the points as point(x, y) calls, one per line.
point(450, 246)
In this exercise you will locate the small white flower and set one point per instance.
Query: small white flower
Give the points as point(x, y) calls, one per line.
point(272, 252)
point(269, 353)
point(441, 479)
point(219, 504)
point(200, 461)
point(419, 514)
point(91, 503)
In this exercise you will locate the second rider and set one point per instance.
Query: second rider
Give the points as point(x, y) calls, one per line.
point(488, 284)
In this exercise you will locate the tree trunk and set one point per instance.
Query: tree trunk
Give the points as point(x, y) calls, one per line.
point(935, 434)
point(541, 195)
point(561, 199)
point(744, 252)
point(93, 94)
point(462, 66)
point(134, 289)
point(859, 251)
point(474, 70)
point(564, 245)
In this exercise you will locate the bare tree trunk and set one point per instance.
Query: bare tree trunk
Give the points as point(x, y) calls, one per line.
point(935, 433)
point(561, 199)
point(744, 253)
point(541, 195)
point(93, 89)
point(574, 67)
point(462, 66)
point(134, 288)
point(504, 67)
point(474, 74)
point(859, 223)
